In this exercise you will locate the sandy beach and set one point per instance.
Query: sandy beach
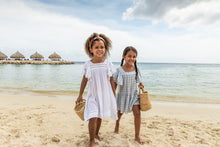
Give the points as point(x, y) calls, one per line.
point(27, 121)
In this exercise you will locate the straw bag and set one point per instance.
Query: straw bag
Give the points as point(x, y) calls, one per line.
point(145, 103)
point(79, 109)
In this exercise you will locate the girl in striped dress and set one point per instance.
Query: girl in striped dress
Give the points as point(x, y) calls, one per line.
point(98, 72)
point(127, 77)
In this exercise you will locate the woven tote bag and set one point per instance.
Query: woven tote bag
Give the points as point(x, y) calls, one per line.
point(145, 103)
point(79, 109)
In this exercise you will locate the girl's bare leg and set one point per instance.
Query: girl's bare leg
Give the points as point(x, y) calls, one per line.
point(99, 122)
point(137, 123)
point(117, 122)
point(92, 130)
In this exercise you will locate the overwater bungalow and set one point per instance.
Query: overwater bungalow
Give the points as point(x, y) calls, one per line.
point(54, 57)
point(37, 56)
point(3, 56)
point(17, 56)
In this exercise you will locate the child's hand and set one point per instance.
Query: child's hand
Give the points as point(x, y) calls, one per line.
point(141, 86)
point(79, 99)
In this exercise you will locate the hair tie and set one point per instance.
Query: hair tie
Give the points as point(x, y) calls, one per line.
point(98, 37)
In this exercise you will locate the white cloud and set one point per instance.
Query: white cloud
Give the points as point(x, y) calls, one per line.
point(187, 13)
point(29, 29)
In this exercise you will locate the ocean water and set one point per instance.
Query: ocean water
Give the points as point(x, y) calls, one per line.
point(198, 83)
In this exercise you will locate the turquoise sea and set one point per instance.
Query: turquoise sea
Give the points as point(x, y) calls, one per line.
point(198, 83)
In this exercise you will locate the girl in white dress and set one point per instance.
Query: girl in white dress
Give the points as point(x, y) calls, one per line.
point(98, 72)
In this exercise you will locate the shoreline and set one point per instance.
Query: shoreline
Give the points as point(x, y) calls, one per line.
point(41, 121)
point(74, 94)
point(34, 62)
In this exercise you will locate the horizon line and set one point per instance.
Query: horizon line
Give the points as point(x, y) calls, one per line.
point(158, 62)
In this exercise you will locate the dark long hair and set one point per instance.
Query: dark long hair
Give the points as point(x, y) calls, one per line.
point(130, 48)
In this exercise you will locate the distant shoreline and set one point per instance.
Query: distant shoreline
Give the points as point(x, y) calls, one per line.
point(34, 62)
point(73, 94)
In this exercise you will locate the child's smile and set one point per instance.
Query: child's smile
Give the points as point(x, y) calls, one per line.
point(98, 49)
point(130, 57)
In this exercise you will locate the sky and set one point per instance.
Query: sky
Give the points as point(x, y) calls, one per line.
point(174, 31)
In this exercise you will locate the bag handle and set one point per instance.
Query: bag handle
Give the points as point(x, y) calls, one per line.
point(141, 89)
point(81, 102)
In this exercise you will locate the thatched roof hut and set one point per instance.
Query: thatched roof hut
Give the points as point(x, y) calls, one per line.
point(3, 56)
point(54, 57)
point(17, 56)
point(36, 56)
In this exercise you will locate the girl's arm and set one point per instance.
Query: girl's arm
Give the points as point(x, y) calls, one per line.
point(115, 85)
point(112, 84)
point(82, 88)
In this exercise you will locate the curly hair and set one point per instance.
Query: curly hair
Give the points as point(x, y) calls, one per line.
point(98, 37)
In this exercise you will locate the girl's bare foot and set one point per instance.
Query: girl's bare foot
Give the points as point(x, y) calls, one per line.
point(98, 137)
point(91, 143)
point(139, 140)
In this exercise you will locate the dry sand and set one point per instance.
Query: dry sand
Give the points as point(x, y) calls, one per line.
point(36, 121)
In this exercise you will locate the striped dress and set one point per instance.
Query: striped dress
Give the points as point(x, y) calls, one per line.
point(127, 93)
point(100, 101)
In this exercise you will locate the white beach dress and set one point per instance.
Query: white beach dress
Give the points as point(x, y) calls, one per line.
point(100, 101)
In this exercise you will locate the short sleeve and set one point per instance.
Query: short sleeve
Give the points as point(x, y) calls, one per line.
point(118, 77)
point(111, 69)
point(139, 77)
point(86, 70)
